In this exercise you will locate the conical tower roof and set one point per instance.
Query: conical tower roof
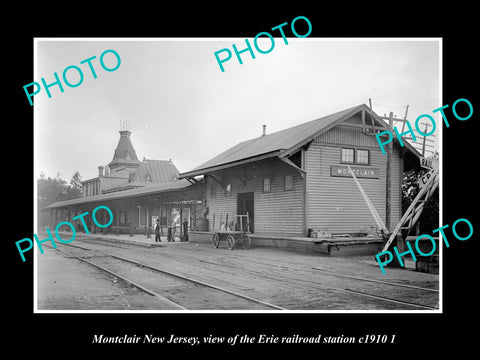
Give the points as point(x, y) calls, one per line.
point(124, 154)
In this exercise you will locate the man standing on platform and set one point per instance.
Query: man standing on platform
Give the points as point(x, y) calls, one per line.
point(171, 231)
point(185, 230)
point(157, 232)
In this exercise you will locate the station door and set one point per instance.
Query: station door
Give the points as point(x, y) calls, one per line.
point(245, 203)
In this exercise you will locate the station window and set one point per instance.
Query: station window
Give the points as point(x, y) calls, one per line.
point(348, 156)
point(363, 157)
point(289, 182)
point(355, 156)
point(266, 185)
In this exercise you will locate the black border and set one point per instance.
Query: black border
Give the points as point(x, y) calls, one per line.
point(55, 334)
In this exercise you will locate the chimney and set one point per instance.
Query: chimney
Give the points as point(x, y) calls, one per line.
point(264, 130)
point(100, 171)
point(107, 170)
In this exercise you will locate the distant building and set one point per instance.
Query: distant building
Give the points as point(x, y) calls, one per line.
point(137, 192)
point(125, 171)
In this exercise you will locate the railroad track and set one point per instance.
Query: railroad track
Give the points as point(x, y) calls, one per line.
point(393, 295)
point(349, 289)
point(178, 292)
point(355, 285)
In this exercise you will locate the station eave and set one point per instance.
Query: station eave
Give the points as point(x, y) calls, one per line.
point(147, 190)
point(207, 170)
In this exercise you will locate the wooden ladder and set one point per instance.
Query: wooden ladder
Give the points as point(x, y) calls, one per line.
point(411, 216)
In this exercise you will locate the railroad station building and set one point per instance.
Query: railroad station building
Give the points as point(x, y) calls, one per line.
point(138, 192)
point(296, 183)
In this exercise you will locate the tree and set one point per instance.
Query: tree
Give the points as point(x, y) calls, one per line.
point(75, 189)
point(55, 189)
point(50, 190)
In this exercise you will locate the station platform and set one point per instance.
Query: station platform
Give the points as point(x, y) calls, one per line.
point(136, 239)
point(341, 246)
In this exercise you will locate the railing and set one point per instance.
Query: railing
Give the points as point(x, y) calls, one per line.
point(231, 222)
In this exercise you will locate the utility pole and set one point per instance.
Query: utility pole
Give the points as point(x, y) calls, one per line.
point(424, 137)
point(427, 142)
point(388, 205)
point(405, 119)
point(395, 120)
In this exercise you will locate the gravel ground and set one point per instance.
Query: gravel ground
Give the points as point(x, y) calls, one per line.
point(69, 284)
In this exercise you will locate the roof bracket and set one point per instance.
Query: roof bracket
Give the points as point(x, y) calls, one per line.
point(307, 145)
point(218, 181)
point(290, 163)
point(192, 180)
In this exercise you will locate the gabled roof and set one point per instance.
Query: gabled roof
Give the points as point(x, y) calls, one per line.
point(281, 143)
point(108, 182)
point(156, 171)
point(149, 172)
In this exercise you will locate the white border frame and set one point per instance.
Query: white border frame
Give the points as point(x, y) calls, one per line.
point(440, 150)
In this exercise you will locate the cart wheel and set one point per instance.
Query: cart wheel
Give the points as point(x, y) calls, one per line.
point(230, 242)
point(215, 240)
point(246, 241)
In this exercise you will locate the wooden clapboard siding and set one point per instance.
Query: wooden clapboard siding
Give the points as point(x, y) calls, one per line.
point(276, 212)
point(336, 204)
point(218, 203)
point(280, 211)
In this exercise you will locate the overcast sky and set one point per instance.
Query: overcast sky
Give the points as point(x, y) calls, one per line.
point(181, 106)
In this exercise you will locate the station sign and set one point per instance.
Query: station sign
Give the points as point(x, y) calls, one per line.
point(426, 163)
point(422, 181)
point(429, 164)
point(360, 172)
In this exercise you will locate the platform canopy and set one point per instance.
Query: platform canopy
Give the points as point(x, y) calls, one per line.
point(177, 191)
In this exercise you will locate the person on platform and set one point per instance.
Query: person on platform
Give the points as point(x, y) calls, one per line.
point(171, 231)
point(185, 229)
point(157, 232)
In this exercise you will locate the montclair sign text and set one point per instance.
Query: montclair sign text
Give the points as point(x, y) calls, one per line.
point(360, 172)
